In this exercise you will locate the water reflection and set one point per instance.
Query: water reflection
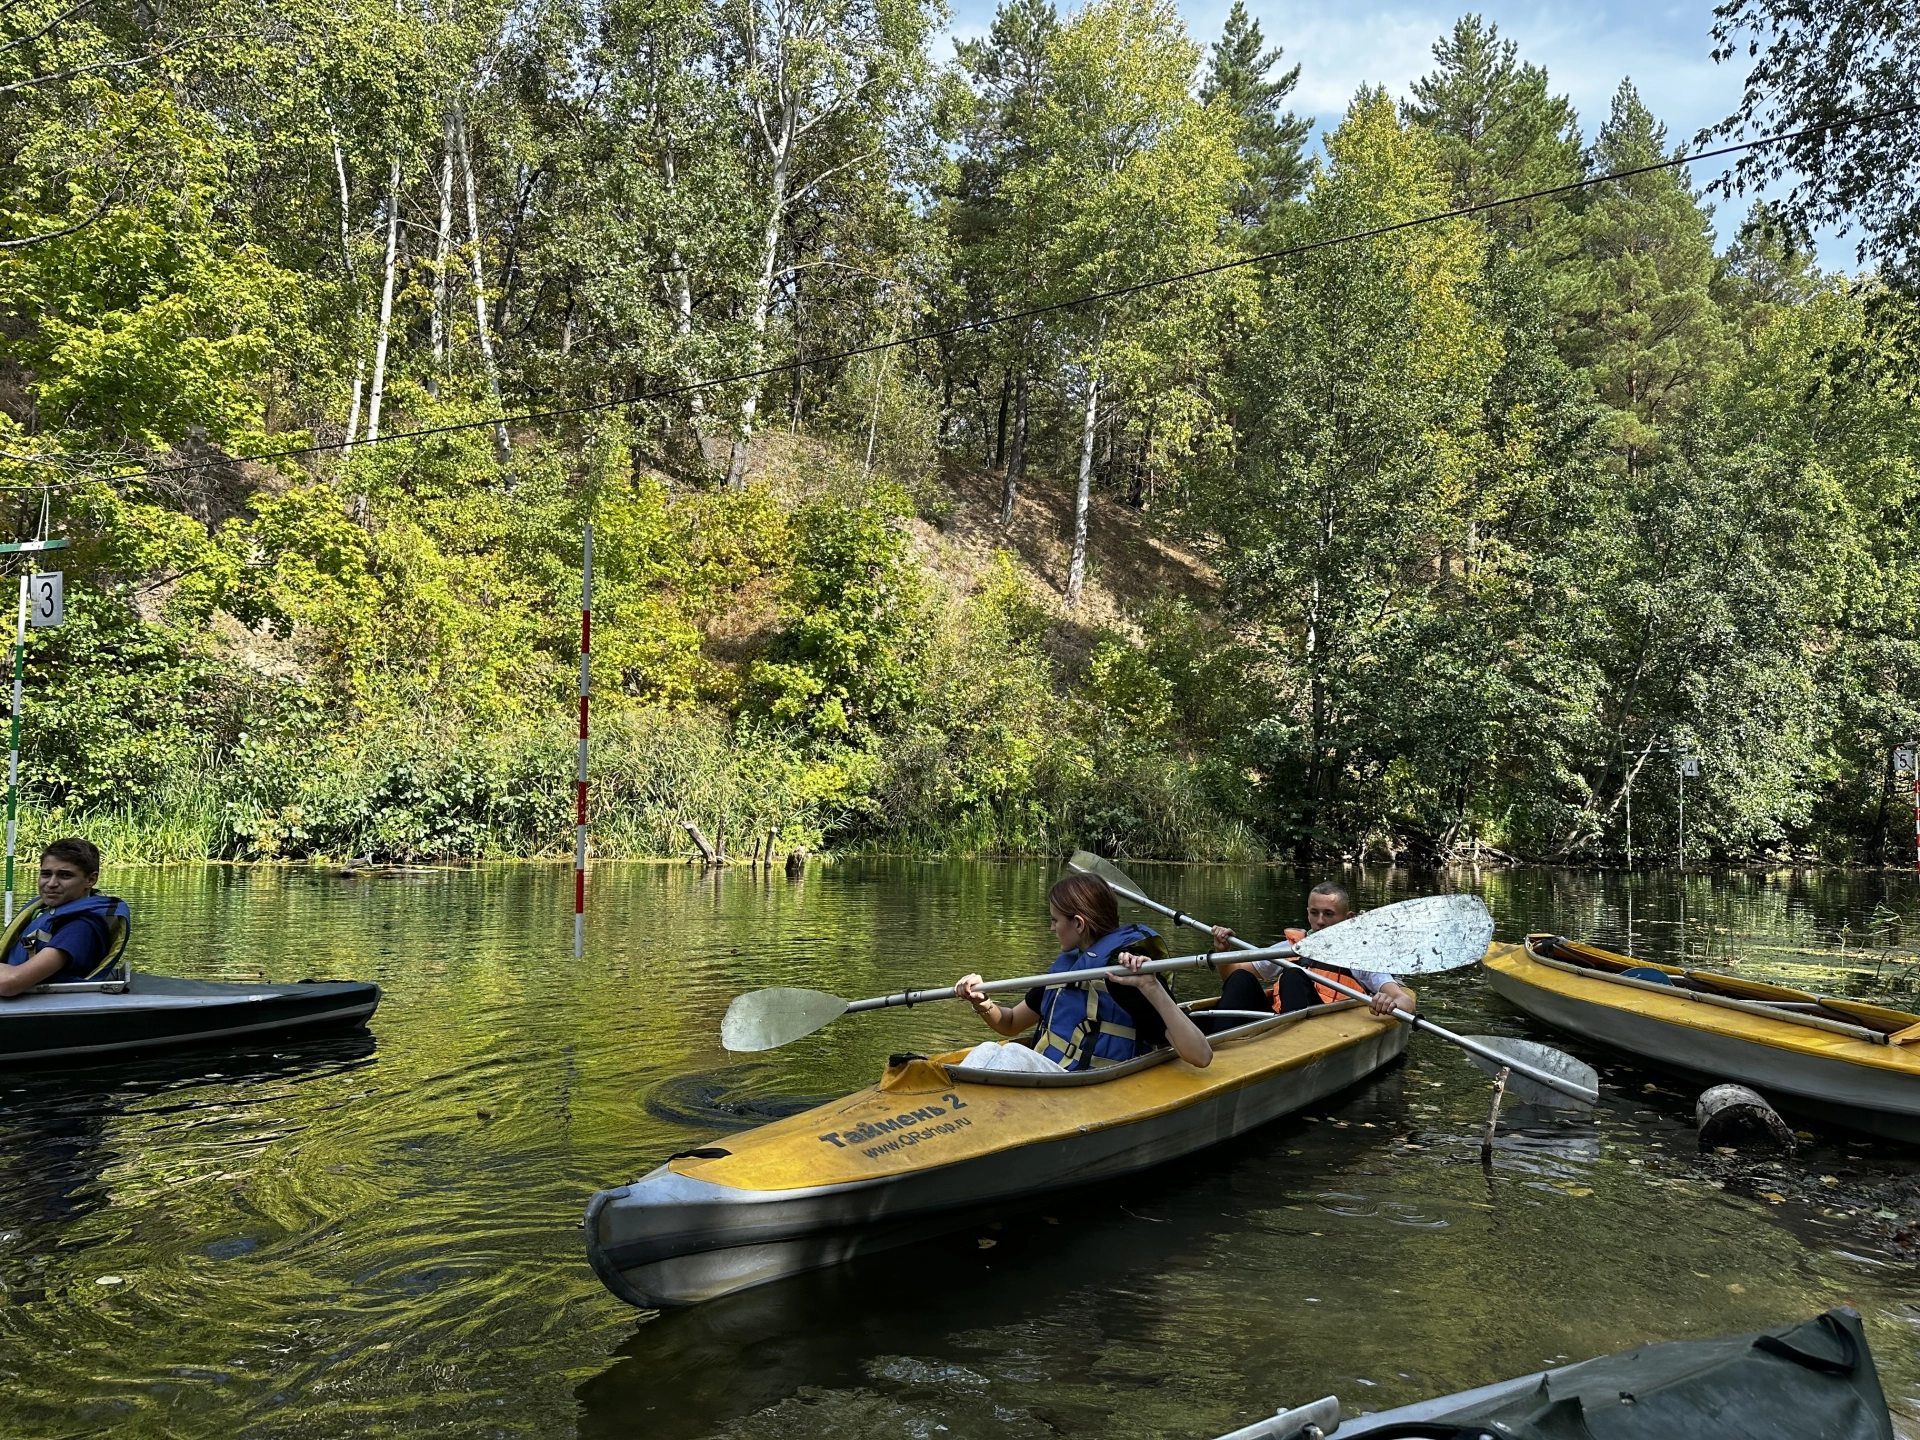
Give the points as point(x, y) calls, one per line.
point(386, 1240)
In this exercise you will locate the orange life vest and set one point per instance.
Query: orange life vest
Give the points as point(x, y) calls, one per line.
point(1326, 972)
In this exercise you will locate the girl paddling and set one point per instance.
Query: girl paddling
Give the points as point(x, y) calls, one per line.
point(1109, 1020)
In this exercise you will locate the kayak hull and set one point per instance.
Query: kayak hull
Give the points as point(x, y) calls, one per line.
point(1864, 1086)
point(738, 1215)
point(1814, 1378)
point(159, 1012)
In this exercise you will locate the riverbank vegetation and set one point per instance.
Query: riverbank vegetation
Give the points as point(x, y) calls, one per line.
point(1447, 540)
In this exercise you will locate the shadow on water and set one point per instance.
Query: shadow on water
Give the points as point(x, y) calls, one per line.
point(56, 1121)
point(724, 1100)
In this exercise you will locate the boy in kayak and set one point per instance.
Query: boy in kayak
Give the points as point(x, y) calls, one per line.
point(1245, 987)
point(1107, 1022)
point(72, 935)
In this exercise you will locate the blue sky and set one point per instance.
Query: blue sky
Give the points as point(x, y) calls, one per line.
point(1586, 48)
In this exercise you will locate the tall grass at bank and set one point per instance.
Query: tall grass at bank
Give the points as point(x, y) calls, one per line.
point(401, 795)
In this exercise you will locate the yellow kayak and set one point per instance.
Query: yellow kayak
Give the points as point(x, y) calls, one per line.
point(1844, 1060)
point(907, 1157)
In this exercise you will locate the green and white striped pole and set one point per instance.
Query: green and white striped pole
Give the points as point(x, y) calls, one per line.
point(25, 547)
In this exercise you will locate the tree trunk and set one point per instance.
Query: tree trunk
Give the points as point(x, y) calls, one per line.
point(346, 258)
point(442, 240)
point(1000, 424)
point(386, 309)
point(780, 152)
point(1077, 563)
point(501, 446)
point(1017, 447)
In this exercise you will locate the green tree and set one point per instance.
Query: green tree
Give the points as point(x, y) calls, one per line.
point(1640, 317)
point(1130, 180)
point(1360, 412)
point(1272, 143)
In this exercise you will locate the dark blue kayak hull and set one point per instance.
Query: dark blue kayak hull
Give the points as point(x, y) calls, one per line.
point(158, 1012)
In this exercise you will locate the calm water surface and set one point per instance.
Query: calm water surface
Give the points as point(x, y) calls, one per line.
point(379, 1236)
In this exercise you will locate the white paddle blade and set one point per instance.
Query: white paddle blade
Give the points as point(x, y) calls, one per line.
point(1540, 1057)
point(1088, 863)
point(768, 1019)
point(1411, 937)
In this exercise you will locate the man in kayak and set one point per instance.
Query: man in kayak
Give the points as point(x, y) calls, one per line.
point(72, 936)
point(1109, 1021)
point(1245, 987)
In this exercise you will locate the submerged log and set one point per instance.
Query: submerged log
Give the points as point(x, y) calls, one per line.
point(1734, 1115)
point(707, 852)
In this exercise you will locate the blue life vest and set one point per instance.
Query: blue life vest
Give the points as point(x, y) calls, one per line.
point(1082, 1027)
point(32, 932)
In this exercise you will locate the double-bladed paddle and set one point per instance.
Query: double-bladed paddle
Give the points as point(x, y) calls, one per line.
point(1411, 937)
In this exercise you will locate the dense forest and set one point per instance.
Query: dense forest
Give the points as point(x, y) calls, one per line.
point(325, 328)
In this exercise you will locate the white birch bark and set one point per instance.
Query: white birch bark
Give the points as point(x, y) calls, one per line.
point(346, 257)
point(443, 239)
point(386, 305)
point(1082, 496)
point(502, 446)
point(779, 141)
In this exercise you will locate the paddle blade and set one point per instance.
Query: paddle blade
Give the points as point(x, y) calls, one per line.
point(1088, 863)
point(1540, 1057)
point(1410, 937)
point(768, 1019)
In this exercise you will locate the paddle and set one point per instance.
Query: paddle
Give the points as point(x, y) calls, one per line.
point(1418, 937)
point(1414, 937)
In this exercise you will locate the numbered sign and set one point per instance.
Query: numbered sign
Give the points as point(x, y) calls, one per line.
point(1690, 766)
point(1903, 760)
point(46, 599)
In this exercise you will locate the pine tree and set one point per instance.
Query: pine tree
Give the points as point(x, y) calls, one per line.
point(1642, 321)
point(1501, 131)
point(1271, 143)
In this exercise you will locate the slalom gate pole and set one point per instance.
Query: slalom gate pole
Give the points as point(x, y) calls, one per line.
point(580, 772)
point(1916, 809)
point(13, 759)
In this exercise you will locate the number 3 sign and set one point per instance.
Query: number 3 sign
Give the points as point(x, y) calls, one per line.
point(46, 599)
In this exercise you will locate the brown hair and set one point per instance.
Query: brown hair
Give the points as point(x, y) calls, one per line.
point(1088, 897)
point(83, 853)
point(1329, 887)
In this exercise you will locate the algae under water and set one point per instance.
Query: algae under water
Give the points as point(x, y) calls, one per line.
point(379, 1234)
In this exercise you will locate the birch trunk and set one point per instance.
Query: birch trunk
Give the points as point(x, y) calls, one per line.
point(346, 258)
point(778, 137)
point(386, 308)
point(1077, 565)
point(501, 444)
point(763, 296)
point(442, 240)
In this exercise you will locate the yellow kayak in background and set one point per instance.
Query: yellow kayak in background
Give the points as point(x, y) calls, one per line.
point(1843, 1060)
point(909, 1156)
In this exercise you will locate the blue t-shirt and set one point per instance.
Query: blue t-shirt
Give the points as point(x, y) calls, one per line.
point(80, 939)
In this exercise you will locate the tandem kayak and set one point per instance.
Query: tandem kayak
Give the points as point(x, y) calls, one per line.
point(1812, 1379)
point(907, 1157)
point(154, 1012)
point(1842, 1060)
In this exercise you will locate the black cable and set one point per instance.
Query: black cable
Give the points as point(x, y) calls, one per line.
point(987, 323)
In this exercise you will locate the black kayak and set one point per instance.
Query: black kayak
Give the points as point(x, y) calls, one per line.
point(1814, 1379)
point(154, 1012)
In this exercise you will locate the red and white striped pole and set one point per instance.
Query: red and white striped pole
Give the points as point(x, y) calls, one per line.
point(580, 772)
point(1914, 767)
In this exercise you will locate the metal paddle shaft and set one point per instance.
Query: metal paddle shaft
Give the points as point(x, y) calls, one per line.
point(768, 1019)
point(1333, 949)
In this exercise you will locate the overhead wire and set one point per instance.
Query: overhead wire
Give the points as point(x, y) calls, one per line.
point(964, 327)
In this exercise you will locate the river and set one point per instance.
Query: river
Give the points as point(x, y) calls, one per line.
point(380, 1235)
